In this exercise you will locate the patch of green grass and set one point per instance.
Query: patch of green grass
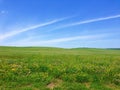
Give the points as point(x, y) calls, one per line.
point(35, 68)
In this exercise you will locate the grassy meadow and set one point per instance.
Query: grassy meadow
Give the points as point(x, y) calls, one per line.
point(41, 68)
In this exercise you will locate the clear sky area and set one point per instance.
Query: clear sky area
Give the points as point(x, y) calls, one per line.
point(60, 23)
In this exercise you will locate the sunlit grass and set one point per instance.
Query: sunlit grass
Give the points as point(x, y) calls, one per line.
point(59, 69)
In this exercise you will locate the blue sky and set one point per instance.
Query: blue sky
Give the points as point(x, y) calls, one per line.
point(60, 23)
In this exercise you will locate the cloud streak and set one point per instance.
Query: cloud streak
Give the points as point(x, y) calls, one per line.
point(84, 37)
point(87, 21)
point(94, 20)
point(67, 39)
point(58, 40)
point(13, 33)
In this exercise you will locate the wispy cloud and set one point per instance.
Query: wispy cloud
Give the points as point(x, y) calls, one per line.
point(87, 21)
point(94, 20)
point(2, 12)
point(56, 41)
point(15, 32)
point(67, 39)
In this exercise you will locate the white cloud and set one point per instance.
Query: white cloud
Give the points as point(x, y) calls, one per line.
point(94, 20)
point(28, 42)
point(87, 21)
point(67, 39)
point(3, 12)
point(15, 32)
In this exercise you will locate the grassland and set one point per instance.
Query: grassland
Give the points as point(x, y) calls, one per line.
point(34, 68)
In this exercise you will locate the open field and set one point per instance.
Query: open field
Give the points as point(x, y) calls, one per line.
point(34, 68)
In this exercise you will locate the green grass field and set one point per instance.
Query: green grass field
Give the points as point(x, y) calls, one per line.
point(34, 68)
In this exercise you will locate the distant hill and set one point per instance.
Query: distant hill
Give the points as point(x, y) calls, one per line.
point(114, 48)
